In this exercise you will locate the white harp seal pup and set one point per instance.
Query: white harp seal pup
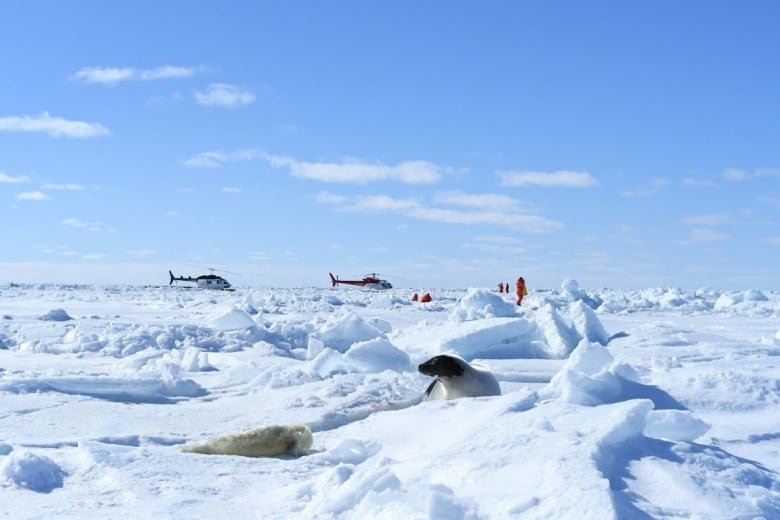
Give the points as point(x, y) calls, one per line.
point(266, 441)
point(457, 378)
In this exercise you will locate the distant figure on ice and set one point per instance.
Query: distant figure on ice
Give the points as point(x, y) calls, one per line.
point(415, 297)
point(506, 287)
point(501, 287)
point(522, 290)
point(426, 298)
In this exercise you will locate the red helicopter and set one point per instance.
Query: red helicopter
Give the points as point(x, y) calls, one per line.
point(370, 280)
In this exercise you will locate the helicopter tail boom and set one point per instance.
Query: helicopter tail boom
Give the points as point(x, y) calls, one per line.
point(333, 280)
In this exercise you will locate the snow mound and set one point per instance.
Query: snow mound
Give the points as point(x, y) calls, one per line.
point(544, 333)
point(754, 295)
point(342, 333)
point(161, 389)
point(481, 303)
point(570, 290)
point(587, 324)
point(33, 472)
point(236, 319)
point(56, 315)
point(674, 425)
point(592, 377)
point(372, 356)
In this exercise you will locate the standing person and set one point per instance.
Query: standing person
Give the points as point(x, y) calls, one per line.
point(501, 287)
point(506, 287)
point(522, 290)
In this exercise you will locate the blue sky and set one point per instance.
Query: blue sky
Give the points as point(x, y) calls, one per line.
point(444, 144)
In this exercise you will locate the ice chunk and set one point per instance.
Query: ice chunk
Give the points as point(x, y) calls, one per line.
point(236, 319)
point(482, 303)
point(56, 315)
point(674, 425)
point(31, 471)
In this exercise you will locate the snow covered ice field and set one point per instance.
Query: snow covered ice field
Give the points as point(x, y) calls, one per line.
point(658, 403)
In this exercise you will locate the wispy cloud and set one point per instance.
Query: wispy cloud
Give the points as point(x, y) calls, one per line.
point(258, 256)
point(698, 183)
point(556, 179)
point(54, 126)
point(478, 200)
point(355, 171)
point(648, 190)
point(775, 240)
point(228, 189)
point(348, 170)
point(114, 75)
point(75, 223)
point(713, 219)
point(510, 218)
point(706, 235)
point(32, 195)
point(8, 179)
point(736, 174)
point(94, 257)
point(141, 253)
point(324, 197)
point(218, 158)
point(505, 245)
point(224, 95)
point(63, 187)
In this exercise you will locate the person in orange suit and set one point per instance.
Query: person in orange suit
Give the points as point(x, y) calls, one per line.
point(522, 290)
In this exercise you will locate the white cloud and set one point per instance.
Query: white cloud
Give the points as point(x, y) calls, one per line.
point(480, 200)
point(713, 219)
point(31, 195)
point(698, 183)
point(224, 96)
point(324, 197)
point(114, 75)
point(258, 256)
point(652, 188)
point(54, 126)
point(381, 203)
point(505, 245)
point(80, 224)
point(775, 240)
point(63, 187)
point(497, 239)
point(768, 172)
point(734, 174)
point(218, 158)
point(413, 209)
point(519, 221)
point(228, 189)
point(557, 179)
point(94, 257)
point(7, 179)
point(706, 235)
point(171, 214)
point(74, 223)
point(141, 253)
point(359, 172)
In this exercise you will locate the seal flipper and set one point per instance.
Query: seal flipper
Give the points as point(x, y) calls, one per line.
point(430, 387)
